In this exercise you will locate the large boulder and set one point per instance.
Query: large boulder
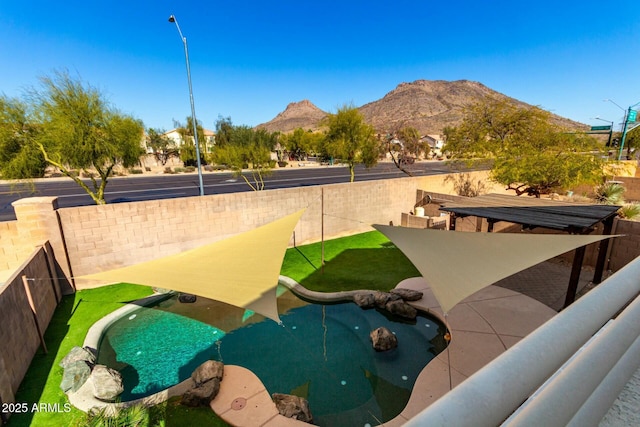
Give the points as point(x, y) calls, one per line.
point(76, 354)
point(364, 299)
point(206, 384)
point(107, 383)
point(75, 374)
point(383, 339)
point(211, 369)
point(407, 294)
point(293, 407)
point(402, 309)
point(201, 395)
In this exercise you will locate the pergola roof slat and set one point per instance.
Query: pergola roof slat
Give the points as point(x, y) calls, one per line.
point(532, 212)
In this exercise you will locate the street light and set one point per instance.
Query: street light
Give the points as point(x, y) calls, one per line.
point(610, 129)
point(193, 108)
point(627, 117)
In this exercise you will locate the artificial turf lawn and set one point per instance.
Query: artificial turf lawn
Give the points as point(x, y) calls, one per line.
point(72, 319)
point(361, 261)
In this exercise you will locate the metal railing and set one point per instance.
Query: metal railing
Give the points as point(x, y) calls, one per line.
point(569, 371)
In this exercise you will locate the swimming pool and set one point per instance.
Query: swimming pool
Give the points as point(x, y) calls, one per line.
point(321, 352)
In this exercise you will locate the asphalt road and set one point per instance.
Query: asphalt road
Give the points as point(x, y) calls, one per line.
point(149, 187)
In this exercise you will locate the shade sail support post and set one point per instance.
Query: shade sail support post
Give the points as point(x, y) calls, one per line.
point(576, 267)
point(603, 250)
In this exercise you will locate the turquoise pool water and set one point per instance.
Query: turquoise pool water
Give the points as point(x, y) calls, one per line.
point(322, 352)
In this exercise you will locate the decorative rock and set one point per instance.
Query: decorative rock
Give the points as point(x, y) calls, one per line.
point(187, 298)
point(201, 395)
point(208, 371)
point(75, 375)
point(407, 294)
point(382, 298)
point(364, 299)
point(293, 407)
point(77, 354)
point(383, 339)
point(402, 309)
point(107, 383)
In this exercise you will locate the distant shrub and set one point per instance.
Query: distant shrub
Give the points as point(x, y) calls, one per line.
point(283, 163)
point(147, 168)
point(190, 169)
point(178, 170)
point(168, 170)
point(464, 185)
point(135, 171)
point(630, 211)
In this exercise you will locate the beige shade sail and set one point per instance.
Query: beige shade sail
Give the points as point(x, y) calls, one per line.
point(457, 264)
point(242, 270)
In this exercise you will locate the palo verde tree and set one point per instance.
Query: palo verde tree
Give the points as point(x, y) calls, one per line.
point(248, 153)
point(529, 154)
point(163, 147)
point(80, 130)
point(19, 156)
point(350, 138)
point(404, 146)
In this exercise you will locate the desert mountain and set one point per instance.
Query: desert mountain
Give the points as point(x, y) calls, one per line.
point(427, 105)
point(301, 114)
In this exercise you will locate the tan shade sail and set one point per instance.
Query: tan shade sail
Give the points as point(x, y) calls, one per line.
point(242, 270)
point(457, 264)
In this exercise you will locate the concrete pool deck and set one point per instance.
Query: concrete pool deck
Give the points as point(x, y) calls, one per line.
point(482, 327)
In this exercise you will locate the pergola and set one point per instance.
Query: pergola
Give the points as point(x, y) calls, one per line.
point(569, 217)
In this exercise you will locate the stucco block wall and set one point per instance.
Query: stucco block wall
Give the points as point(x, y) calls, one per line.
point(19, 338)
point(632, 188)
point(625, 248)
point(13, 251)
point(114, 235)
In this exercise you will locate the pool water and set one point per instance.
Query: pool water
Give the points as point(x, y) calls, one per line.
point(321, 352)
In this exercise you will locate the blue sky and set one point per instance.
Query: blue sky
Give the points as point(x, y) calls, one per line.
point(249, 59)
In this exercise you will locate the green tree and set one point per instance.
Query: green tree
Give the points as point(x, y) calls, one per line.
point(224, 127)
point(163, 147)
point(350, 138)
point(529, 154)
point(80, 130)
point(632, 142)
point(188, 148)
point(19, 156)
point(301, 143)
point(246, 149)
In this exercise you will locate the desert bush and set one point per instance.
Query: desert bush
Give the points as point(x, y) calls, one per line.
point(610, 193)
point(464, 185)
point(178, 170)
point(168, 170)
point(630, 211)
point(135, 171)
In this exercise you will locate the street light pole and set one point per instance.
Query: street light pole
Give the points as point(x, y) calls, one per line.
point(627, 116)
point(193, 108)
